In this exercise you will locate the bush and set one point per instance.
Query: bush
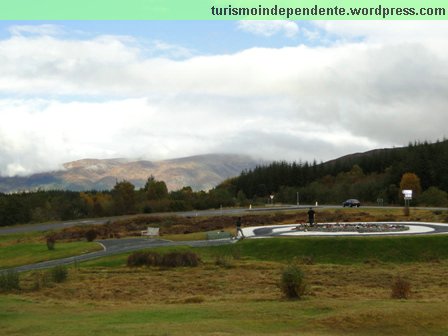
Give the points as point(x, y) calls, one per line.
point(178, 259)
point(293, 282)
point(91, 235)
point(9, 280)
point(223, 261)
point(59, 273)
point(51, 241)
point(406, 211)
point(304, 260)
point(401, 288)
point(137, 259)
point(173, 259)
point(41, 280)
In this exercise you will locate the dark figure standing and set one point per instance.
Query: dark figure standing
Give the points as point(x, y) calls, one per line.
point(311, 214)
point(238, 228)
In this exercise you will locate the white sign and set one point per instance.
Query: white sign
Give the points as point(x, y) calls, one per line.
point(407, 194)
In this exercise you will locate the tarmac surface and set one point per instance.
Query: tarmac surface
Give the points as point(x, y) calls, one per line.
point(123, 245)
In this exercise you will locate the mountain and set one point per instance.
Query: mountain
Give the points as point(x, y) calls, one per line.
point(201, 172)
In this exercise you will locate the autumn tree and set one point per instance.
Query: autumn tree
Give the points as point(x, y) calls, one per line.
point(410, 181)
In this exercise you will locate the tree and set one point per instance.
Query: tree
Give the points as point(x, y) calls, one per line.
point(434, 196)
point(155, 190)
point(410, 181)
point(124, 198)
point(241, 197)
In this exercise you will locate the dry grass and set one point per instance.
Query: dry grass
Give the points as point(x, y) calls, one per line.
point(246, 281)
point(243, 299)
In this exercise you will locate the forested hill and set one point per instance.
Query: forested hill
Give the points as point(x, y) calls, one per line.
point(369, 176)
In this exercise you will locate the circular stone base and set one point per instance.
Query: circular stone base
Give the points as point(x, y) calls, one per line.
point(352, 227)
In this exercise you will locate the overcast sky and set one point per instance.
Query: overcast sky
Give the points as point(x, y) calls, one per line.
point(278, 90)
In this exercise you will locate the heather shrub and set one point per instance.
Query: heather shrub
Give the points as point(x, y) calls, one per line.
point(41, 280)
point(91, 235)
point(9, 280)
point(51, 241)
point(406, 211)
point(400, 289)
point(178, 259)
point(223, 261)
point(189, 259)
point(304, 260)
point(59, 273)
point(292, 282)
point(172, 259)
point(137, 259)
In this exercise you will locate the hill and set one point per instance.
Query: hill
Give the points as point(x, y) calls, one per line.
point(201, 172)
point(371, 176)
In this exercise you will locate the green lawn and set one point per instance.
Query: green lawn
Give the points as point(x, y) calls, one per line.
point(337, 250)
point(308, 317)
point(342, 250)
point(29, 249)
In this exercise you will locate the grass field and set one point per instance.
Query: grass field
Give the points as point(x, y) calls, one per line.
point(235, 291)
point(269, 317)
point(22, 249)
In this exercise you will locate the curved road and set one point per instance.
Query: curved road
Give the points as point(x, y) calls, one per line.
point(232, 211)
point(117, 246)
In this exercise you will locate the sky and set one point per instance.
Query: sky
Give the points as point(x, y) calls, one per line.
point(275, 90)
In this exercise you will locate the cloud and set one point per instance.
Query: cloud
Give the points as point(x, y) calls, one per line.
point(45, 29)
point(171, 50)
point(269, 28)
point(65, 99)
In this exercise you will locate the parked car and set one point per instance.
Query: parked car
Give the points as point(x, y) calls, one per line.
point(351, 203)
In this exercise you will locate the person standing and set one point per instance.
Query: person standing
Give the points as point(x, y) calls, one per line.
point(238, 228)
point(311, 215)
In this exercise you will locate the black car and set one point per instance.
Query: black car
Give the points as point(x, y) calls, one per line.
point(351, 203)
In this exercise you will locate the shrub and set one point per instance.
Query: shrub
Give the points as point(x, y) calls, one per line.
point(137, 259)
point(178, 259)
point(59, 273)
point(406, 211)
point(223, 261)
point(51, 241)
point(91, 235)
point(401, 288)
point(292, 282)
point(194, 299)
point(304, 260)
point(9, 280)
point(173, 259)
point(41, 280)
point(153, 259)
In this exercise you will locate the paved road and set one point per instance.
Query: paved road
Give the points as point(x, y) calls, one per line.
point(223, 212)
point(118, 246)
point(99, 221)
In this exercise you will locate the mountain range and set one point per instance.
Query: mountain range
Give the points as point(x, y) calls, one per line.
point(201, 172)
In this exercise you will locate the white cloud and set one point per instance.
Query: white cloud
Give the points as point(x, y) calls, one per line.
point(62, 99)
point(269, 28)
point(171, 50)
point(45, 29)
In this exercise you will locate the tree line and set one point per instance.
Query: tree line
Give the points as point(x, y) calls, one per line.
point(372, 177)
point(123, 199)
point(376, 176)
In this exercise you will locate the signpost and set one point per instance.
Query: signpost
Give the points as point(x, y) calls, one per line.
point(407, 199)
